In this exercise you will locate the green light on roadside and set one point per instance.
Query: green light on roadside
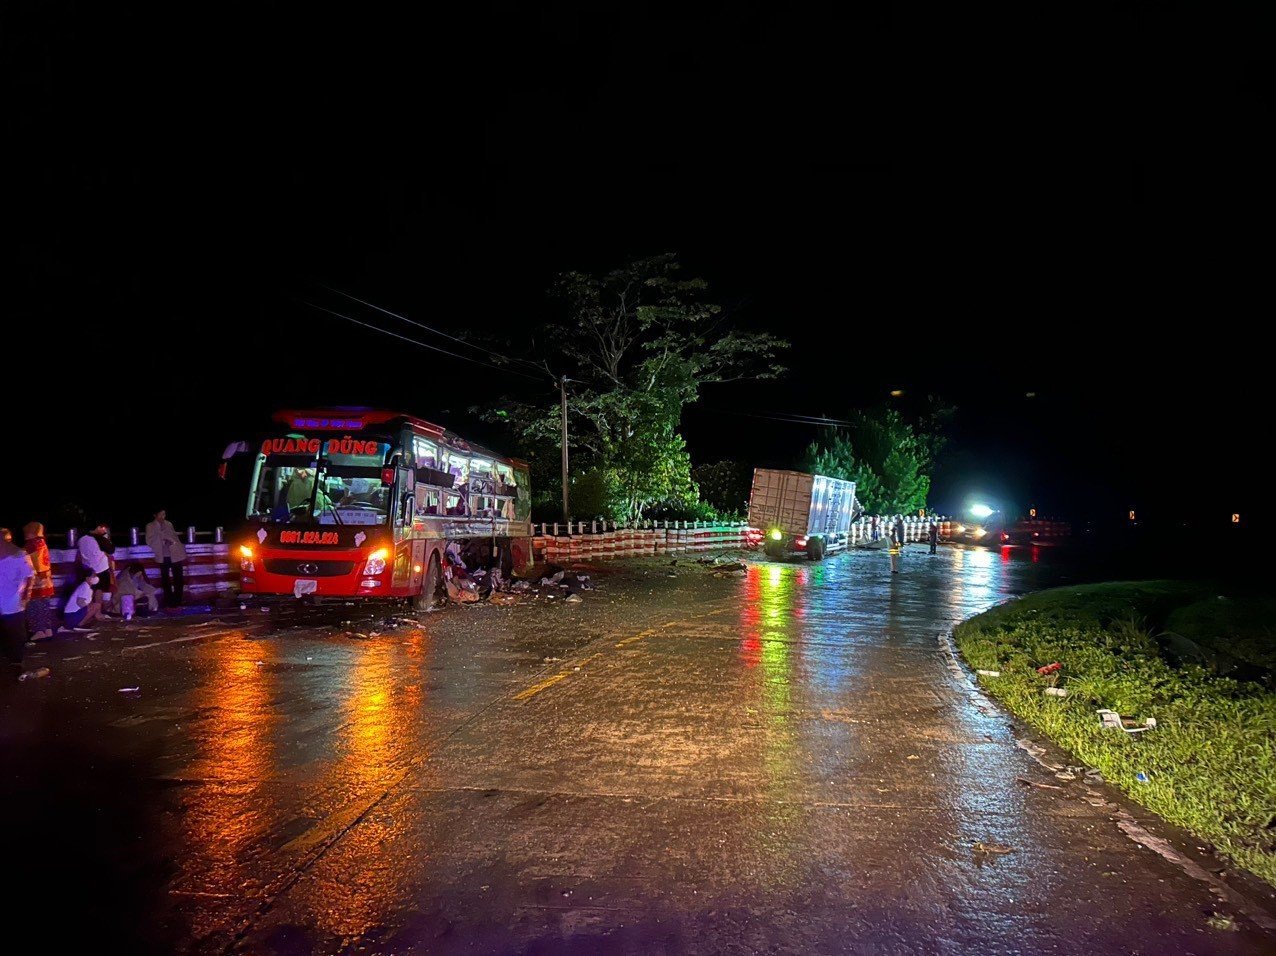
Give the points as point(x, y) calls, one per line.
point(776, 535)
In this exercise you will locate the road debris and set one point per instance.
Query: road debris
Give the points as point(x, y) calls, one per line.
point(1049, 669)
point(129, 690)
point(573, 599)
point(1040, 786)
point(1131, 725)
point(1223, 922)
point(1056, 692)
point(991, 848)
point(36, 674)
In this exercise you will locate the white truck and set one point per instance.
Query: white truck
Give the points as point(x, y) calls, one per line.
point(801, 514)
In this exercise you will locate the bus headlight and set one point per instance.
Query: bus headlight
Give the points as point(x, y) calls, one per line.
point(376, 562)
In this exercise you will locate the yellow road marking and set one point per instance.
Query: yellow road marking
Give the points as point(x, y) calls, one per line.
point(563, 675)
point(537, 688)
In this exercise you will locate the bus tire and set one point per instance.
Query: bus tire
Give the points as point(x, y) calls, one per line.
point(815, 549)
point(430, 586)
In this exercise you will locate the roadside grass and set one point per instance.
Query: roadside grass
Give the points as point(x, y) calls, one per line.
point(1210, 763)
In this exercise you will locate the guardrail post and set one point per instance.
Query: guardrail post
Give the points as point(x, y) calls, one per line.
point(71, 535)
point(190, 535)
point(593, 527)
point(219, 535)
point(132, 537)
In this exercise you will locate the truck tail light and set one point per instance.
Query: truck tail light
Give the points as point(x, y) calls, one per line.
point(800, 542)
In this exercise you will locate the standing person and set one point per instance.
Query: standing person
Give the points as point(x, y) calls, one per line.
point(897, 532)
point(876, 530)
point(16, 575)
point(932, 534)
point(169, 554)
point(95, 550)
point(39, 606)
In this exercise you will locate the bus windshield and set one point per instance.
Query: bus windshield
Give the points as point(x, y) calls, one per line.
point(311, 481)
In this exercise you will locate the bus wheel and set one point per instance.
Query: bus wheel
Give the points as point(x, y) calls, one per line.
point(815, 549)
point(430, 586)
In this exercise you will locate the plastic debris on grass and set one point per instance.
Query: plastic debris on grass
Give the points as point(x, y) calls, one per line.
point(1130, 725)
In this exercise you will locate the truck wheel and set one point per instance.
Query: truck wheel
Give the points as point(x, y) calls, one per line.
point(430, 586)
point(815, 549)
point(773, 549)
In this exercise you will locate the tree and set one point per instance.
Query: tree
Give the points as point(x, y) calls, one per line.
point(724, 485)
point(889, 458)
point(637, 344)
point(836, 459)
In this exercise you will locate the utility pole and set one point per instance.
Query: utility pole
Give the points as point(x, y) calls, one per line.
point(562, 390)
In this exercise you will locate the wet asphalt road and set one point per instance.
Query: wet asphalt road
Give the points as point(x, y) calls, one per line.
point(779, 762)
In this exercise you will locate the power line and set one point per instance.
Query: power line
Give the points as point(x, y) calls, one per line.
point(422, 325)
point(790, 419)
point(424, 345)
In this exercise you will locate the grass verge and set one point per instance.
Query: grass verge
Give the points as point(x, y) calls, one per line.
point(1210, 763)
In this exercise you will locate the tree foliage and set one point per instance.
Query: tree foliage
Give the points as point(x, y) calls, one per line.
point(888, 457)
point(725, 485)
point(637, 344)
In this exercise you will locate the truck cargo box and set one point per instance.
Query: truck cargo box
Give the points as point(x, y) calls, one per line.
point(797, 512)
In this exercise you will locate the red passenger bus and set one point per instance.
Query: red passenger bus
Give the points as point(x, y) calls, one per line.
point(364, 503)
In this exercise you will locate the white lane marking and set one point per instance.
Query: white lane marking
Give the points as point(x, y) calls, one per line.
point(176, 640)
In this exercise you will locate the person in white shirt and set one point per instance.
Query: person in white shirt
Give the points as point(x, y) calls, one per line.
point(81, 607)
point(16, 577)
point(169, 553)
point(95, 558)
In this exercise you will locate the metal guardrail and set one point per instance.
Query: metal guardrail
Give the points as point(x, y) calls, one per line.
point(135, 534)
point(595, 526)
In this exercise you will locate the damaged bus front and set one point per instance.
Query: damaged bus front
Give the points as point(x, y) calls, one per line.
point(365, 503)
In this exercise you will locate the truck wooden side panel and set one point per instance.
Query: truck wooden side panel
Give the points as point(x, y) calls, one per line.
point(799, 504)
point(781, 499)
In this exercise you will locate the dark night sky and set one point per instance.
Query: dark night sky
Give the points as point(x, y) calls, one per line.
point(976, 207)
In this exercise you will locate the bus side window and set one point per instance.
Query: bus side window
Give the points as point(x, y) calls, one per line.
point(426, 452)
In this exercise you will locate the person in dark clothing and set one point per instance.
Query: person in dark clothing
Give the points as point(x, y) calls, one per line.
point(897, 532)
point(932, 534)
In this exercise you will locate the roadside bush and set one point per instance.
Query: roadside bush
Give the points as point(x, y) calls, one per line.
point(1210, 763)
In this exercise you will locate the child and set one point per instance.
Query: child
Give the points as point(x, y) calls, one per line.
point(80, 607)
